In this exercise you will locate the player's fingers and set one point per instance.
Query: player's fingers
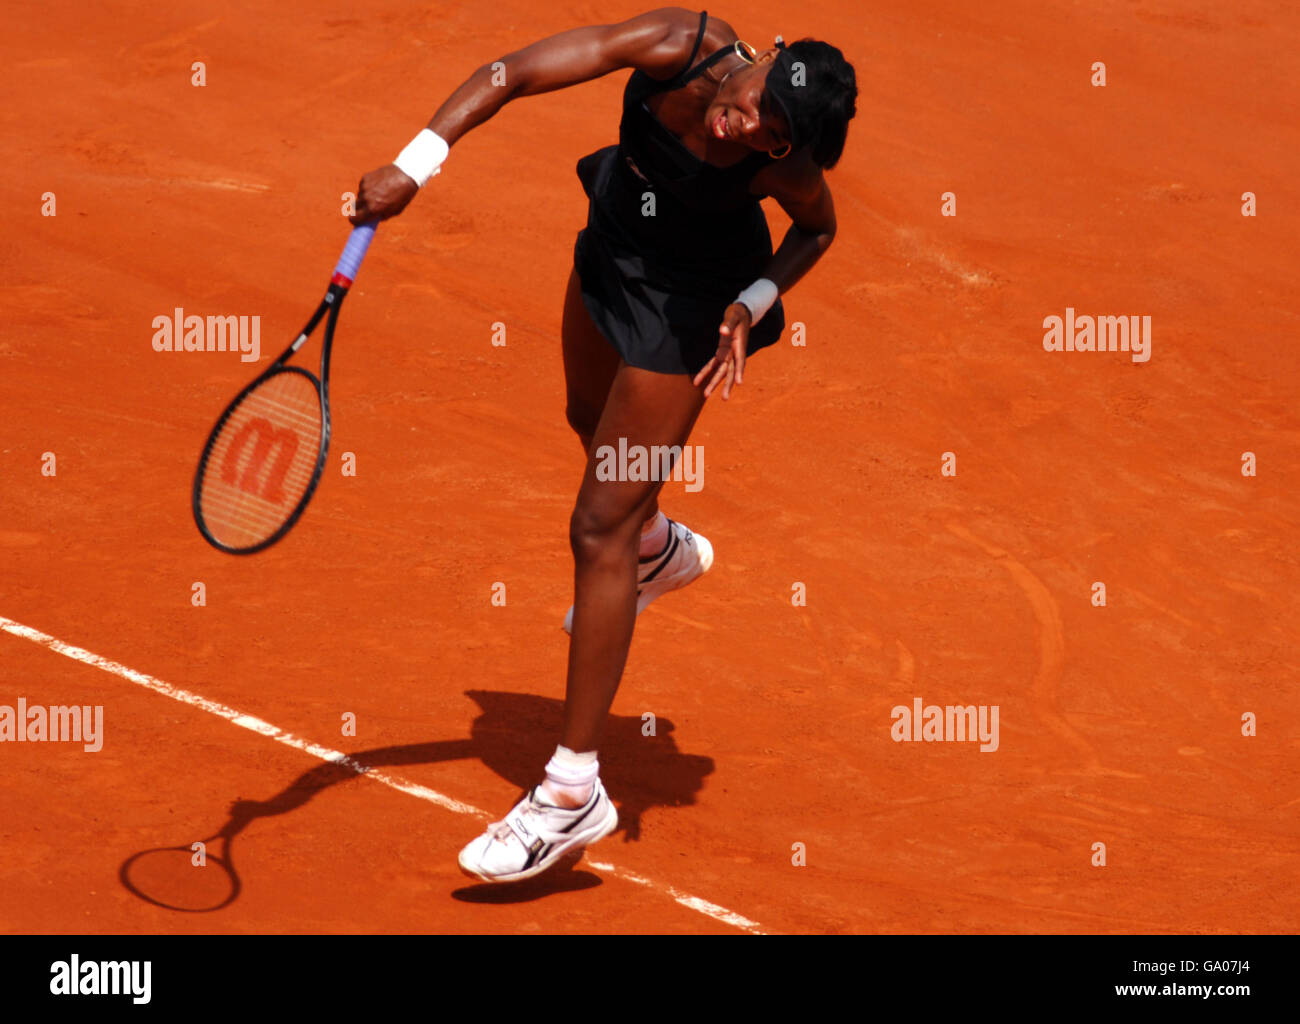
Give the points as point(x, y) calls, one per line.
point(719, 374)
point(731, 376)
point(711, 368)
point(718, 369)
point(383, 193)
point(738, 348)
point(365, 205)
point(705, 371)
point(734, 336)
point(362, 209)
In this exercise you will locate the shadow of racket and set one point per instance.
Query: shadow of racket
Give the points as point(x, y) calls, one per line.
point(178, 878)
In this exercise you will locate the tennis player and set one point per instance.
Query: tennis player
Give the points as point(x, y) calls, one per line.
point(674, 285)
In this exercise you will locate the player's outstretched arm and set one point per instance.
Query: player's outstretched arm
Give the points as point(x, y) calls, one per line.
point(657, 43)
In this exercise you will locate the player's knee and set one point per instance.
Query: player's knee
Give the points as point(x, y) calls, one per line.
point(582, 419)
point(599, 531)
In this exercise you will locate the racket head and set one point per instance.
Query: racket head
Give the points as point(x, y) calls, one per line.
point(262, 461)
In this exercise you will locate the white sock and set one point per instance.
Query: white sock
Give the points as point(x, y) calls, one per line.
point(570, 777)
point(655, 539)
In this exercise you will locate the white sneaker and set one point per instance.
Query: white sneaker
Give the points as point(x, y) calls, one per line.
point(535, 835)
point(687, 558)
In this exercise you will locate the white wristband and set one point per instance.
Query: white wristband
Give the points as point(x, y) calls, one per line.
point(758, 298)
point(423, 157)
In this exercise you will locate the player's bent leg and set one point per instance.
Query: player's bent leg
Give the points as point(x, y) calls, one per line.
point(644, 409)
point(668, 555)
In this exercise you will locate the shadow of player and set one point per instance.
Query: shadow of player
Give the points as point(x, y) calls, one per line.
point(515, 735)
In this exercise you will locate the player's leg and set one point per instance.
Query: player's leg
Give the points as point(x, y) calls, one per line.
point(643, 409)
point(590, 363)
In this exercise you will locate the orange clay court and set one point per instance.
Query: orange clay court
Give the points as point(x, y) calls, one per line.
point(1120, 724)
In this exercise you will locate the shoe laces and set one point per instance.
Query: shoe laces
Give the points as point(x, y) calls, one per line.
point(502, 830)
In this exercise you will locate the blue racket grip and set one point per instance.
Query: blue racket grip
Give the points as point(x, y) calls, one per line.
point(350, 262)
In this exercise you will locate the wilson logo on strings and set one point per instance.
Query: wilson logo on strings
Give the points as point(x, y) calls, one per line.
point(265, 437)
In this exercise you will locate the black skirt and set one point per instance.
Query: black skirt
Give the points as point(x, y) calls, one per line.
point(657, 286)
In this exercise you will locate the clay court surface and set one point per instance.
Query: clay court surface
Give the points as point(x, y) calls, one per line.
point(1119, 725)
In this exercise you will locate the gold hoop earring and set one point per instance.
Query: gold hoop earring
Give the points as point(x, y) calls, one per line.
point(782, 155)
point(745, 52)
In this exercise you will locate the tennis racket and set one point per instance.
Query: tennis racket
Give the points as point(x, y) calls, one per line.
point(267, 452)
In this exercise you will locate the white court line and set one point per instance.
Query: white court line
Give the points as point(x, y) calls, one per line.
point(263, 728)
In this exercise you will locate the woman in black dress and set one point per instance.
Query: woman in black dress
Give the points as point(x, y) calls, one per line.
point(674, 285)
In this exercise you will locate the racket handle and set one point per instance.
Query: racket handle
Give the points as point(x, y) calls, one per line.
point(350, 262)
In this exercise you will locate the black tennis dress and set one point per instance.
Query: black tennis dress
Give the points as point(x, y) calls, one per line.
point(657, 286)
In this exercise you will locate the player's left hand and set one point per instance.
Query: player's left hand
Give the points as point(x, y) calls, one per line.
point(728, 363)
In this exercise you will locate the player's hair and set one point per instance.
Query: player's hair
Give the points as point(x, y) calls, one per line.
point(820, 98)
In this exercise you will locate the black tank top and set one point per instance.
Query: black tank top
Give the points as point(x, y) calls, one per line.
point(705, 223)
point(663, 159)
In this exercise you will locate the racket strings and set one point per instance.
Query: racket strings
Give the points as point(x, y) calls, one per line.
point(262, 461)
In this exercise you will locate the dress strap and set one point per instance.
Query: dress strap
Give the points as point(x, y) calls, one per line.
point(693, 70)
point(699, 39)
point(641, 85)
